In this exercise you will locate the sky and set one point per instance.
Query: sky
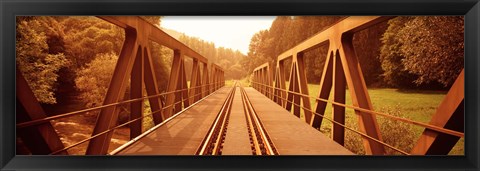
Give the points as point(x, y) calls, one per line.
point(233, 32)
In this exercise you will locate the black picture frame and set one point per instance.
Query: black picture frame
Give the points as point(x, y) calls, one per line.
point(11, 8)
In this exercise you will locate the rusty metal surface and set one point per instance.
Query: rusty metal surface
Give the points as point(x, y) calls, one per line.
point(41, 139)
point(326, 83)
point(153, 33)
point(339, 37)
point(136, 91)
point(339, 86)
point(107, 118)
point(342, 69)
point(450, 115)
point(138, 34)
point(135, 63)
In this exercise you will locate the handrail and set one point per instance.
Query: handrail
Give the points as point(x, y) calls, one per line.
point(59, 116)
point(351, 129)
point(431, 127)
point(124, 124)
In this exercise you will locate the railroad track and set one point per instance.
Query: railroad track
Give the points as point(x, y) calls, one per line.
point(213, 142)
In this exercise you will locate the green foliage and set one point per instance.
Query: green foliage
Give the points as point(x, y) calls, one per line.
point(396, 133)
point(155, 20)
point(433, 48)
point(390, 56)
point(258, 50)
point(367, 45)
point(162, 61)
point(285, 33)
point(38, 66)
point(88, 36)
point(423, 50)
point(93, 80)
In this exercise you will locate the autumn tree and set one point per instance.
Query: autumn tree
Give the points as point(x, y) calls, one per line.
point(93, 79)
point(38, 63)
point(433, 48)
point(422, 50)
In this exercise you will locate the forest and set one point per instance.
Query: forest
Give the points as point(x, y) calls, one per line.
point(406, 52)
point(59, 56)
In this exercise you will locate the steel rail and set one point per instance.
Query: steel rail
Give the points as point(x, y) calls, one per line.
point(258, 132)
point(217, 129)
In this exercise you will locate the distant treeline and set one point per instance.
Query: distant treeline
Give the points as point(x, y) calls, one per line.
point(405, 52)
point(226, 58)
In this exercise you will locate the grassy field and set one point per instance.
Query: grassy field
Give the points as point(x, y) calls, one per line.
point(244, 82)
point(414, 105)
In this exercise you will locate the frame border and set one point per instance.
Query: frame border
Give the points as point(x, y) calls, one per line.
point(11, 8)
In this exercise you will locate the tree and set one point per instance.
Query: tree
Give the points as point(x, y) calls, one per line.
point(367, 45)
point(258, 50)
point(38, 66)
point(224, 57)
point(88, 36)
point(391, 57)
point(93, 80)
point(433, 48)
point(423, 50)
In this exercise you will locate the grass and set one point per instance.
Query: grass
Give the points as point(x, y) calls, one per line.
point(414, 105)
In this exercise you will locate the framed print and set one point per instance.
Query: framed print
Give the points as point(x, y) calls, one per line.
point(239, 85)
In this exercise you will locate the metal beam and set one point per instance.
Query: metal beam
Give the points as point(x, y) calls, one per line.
point(155, 35)
point(108, 117)
point(449, 115)
point(41, 139)
point(359, 94)
point(136, 91)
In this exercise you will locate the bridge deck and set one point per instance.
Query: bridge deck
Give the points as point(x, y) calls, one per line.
point(183, 134)
point(237, 140)
point(290, 135)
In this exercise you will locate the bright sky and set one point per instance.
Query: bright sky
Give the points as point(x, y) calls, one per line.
point(233, 32)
